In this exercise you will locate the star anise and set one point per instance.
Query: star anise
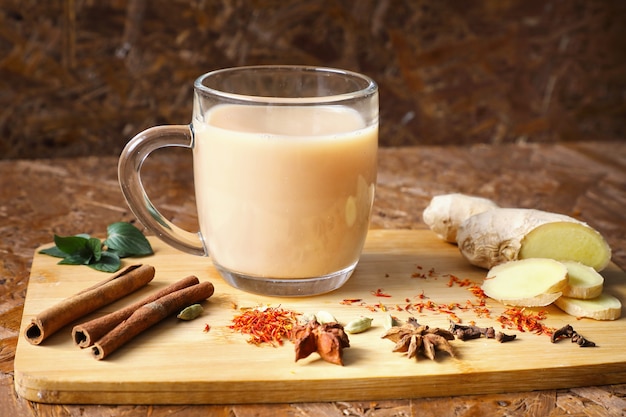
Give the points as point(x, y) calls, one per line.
point(327, 339)
point(414, 338)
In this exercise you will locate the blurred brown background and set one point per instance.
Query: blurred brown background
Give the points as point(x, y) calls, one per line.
point(80, 77)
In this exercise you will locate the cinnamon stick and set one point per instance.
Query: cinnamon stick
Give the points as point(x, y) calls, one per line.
point(148, 315)
point(78, 305)
point(85, 334)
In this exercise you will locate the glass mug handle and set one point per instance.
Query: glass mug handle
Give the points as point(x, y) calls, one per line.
point(129, 176)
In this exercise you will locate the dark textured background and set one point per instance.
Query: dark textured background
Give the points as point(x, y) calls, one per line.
point(82, 77)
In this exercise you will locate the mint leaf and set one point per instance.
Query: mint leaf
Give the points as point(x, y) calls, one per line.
point(123, 240)
point(79, 250)
point(126, 240)
point(95, 246)
point(70, 244)
point(78, 258)
point(109, 262)
point(53, 251)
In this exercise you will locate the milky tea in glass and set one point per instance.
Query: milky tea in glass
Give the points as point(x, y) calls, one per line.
point(284, 161)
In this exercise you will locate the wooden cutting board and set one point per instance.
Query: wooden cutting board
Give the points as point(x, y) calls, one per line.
point(178, 362)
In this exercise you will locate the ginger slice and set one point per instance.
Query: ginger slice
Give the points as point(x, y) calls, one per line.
point(604, 307)
point(567, 241)
point(531, 282)
point(584, 282)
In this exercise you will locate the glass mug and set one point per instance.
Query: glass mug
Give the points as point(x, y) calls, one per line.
point(285, 163)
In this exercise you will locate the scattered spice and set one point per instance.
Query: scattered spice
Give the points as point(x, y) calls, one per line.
point(413, 338)
point(478, 291)
point(471, 332)
point(191, 312)
point(460, 282)
point(479, 305)
point(474, 332)
point(525, 321)
point(420, 274)
point(379, 293)
point(569, 332)
point(503, 337)
point(359, 325)
point(512, 318)
point(266, 325)
point(420, 302)
point(207, 328)
point(323, 316)
point(391, 321)
point(327, 339)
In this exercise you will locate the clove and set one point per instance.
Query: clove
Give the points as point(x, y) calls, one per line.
point(568, 331)
point(463, 332)
point(503, 337)
point(564, 332)
point(581, 341)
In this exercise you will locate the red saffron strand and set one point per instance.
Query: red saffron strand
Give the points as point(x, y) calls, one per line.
point(266, 325)
point(379, 293)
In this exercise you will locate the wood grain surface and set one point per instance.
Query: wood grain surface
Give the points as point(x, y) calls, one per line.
point(586, 179)
point(176, 362)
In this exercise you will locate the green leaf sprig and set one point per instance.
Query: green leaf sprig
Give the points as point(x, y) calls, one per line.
point(123, 240)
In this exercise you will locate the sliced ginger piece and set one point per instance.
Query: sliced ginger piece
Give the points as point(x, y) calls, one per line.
point(533, 282)
point(567, 241)
point(604, 307)
point(584, 282)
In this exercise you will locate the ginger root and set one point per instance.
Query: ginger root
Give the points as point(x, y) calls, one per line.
point(446, 212)
point(505, 234)
point(489, 236)
point(534, 282)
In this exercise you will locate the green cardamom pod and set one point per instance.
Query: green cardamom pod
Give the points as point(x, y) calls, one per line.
point(325, 317)
point(306, 317)
point(191, 312)
point(358, 325)
point(391, 321)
